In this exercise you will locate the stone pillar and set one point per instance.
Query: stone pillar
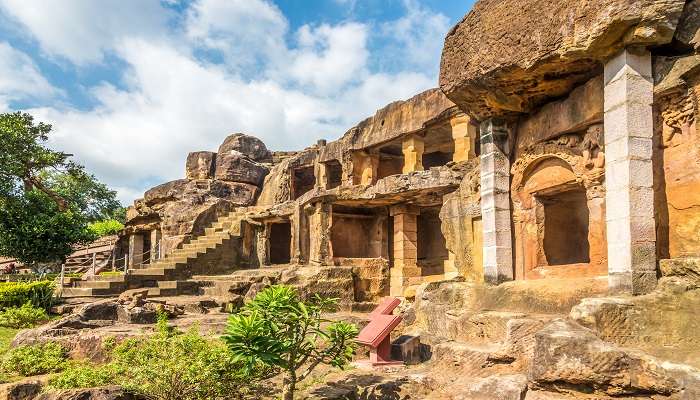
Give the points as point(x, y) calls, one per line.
point(321, 173)
point(629, 197)
point(412, 147)
point(495, 202)
point(464, 134)
point(135, 249)
point(405, 248)
point(156, 237)
point(365, 165)
point(320, 222)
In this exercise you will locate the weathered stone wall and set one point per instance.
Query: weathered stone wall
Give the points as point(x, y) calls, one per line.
point(676, 155)
point(558, 150)
point(461, 226)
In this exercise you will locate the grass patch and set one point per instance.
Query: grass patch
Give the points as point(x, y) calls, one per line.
point(6, 336)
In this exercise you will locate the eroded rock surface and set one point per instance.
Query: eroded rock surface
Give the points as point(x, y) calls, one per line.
point(491, 65)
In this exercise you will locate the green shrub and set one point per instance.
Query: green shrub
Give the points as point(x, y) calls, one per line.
point(84, 376)
point(26, 316)
point(35, 360)
point(106, 227)
point(280, 331)
point(168, 365)
point(16, 294)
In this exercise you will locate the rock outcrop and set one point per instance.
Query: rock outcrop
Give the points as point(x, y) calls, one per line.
point(491, 67)
point(214, 184)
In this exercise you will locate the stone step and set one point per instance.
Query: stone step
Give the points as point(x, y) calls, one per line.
point(96, 284)
point(89, 292)
point(173, 288)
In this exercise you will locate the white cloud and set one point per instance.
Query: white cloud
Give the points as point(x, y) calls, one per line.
point(416, 38)
point(82, 31)
point(329, 57)
point(20, 78)
point(173, 102)
point(246, 32)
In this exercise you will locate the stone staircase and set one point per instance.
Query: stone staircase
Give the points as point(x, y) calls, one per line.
point(168, 276)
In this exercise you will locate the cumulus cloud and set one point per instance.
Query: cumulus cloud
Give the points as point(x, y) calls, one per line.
point(312, 83)
point(417, 37)
point(20, 79)
point(82, 31)
point(246, 32)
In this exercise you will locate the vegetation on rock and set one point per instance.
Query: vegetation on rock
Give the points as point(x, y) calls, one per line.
point(34, 360)
point(278, 330)
point(168, 365)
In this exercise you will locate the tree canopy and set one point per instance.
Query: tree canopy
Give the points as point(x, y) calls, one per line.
point(46, 199)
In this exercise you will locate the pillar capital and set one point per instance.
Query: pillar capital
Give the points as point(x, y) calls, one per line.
point(464, 135)
point(412, 147)
point(404, 209)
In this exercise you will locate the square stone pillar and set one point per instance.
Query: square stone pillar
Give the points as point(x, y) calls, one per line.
point(412, 147)
point(495, 202)
point(320, 223)
point(464, 134)
point(366, 165)
point(629, 195)
point(135, 249)
point(405, 248)
point(156, 248)
point(321, 174)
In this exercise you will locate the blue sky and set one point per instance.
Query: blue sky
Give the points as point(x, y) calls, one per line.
point(132, 86)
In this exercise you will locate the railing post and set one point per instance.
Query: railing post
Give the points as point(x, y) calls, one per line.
point(63, 274)
point(94, 261)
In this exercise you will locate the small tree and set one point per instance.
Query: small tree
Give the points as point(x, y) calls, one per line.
point(46, 199)
point(278, 330)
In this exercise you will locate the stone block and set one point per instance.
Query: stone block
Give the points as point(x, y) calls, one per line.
point(200, 165)
point(409, 350)
point(625, 148)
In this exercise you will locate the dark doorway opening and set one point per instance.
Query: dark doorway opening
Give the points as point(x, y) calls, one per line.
point(436, 159)
point(432, 248)
point(304, 180)
point(334, 173)
point(280, 243)
point(566, 227)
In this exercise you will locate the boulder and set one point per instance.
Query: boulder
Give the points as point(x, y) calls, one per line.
point(168, 191)
point(688, 31)
point(200, 165)
point(104, 393)
point(234, 166)
point(502, 387)
point(504, 58)
point(567, 355)
point(250, 146)
point(26, 389)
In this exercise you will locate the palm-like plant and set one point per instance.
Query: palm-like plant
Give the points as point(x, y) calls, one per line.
point(280, 331)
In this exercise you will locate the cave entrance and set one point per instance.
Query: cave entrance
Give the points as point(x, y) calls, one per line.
point(280, 243)
point(431, 245)
point(358, 233)
point(566, 219)
point(303, 180)
point(334, 174)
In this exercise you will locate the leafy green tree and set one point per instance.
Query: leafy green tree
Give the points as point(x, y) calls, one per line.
point(46, 199)
point(106, 227)
point(278, 330)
